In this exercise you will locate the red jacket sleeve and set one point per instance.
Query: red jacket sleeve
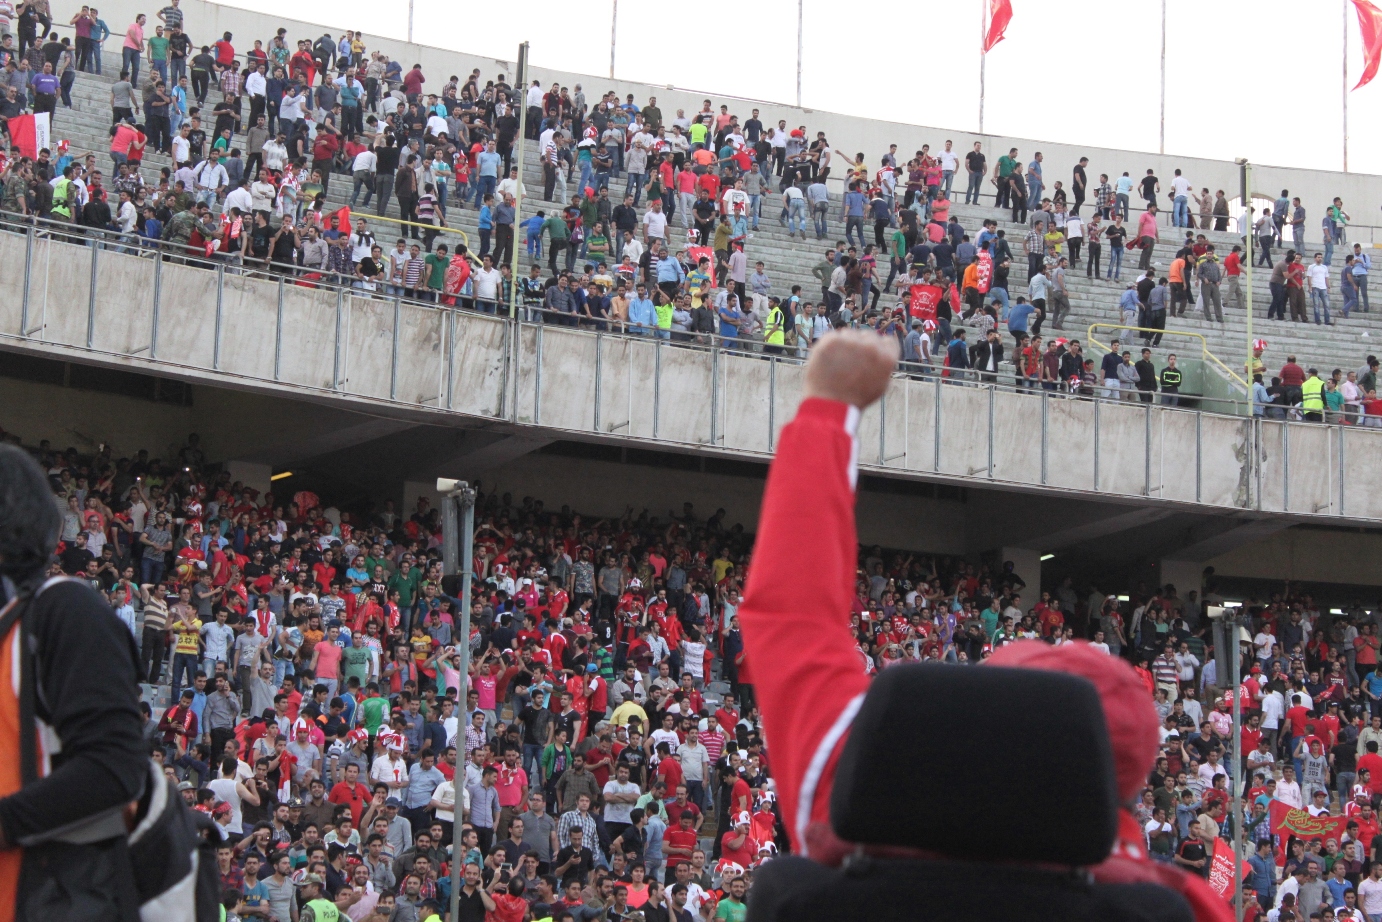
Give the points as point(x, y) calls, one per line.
point(808, 676)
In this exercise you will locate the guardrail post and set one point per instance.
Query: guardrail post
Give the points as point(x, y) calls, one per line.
point(936, 450)
point(599, 373)
point(28, 277)
point(158, 302)
point(91, 297)
point(220, 301)
point(1256, 457)
point(1097, 401)
point(1341, 431)
point(993, 396)
point(336, 353)
point(1147, 444)
point(450, 356)
point(537, 381)
point(1045, 433)
point(657, 383)
point(278, 331)
point(393, 355)
point(1199, 453)
point(1286, 465)
point(714, 392)
point(772, 406)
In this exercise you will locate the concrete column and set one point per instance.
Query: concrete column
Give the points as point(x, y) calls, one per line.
point(1185, 575)
point(251, 474)
point(1027, 565)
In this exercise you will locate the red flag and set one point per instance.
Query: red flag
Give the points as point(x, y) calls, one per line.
point(1370, 25)
point(923, 301)
point(1290, 821)
point(1221, 869)
point(342, 216)
point(1001, 13)
point(29, 133)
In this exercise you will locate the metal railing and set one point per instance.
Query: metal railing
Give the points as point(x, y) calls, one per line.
point(100, 298)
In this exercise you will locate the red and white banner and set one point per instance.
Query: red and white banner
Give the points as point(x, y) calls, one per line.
point(1370, 27)
point(923, 302)
point(1221, 869)
point(985, 269)
point(30, 133)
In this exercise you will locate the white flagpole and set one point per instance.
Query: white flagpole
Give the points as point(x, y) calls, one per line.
point(1345, 59)
point(1162, 148)
point(613, 33)
point(983, 56)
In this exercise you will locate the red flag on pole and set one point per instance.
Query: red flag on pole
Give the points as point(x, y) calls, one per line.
point(1370, 25)
point(1001, 13)
point(29, 133)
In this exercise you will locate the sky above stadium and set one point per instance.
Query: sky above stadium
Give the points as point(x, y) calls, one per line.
point(1258, 79)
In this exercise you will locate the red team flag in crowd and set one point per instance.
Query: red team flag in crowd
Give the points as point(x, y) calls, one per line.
point(1290, 821)
point(1001, 13)
point(1221, 869)
point(1370, 25)
point(924, 298)
point(30, 133)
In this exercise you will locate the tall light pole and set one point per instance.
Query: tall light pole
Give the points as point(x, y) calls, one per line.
point(1245, 182)
point(799, 24)
point(521, 81)
point(1162, 144)
point(457, 541)
point(410, 22)
point(613, 34)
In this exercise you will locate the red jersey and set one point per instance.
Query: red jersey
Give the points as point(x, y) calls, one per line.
point(744, 855)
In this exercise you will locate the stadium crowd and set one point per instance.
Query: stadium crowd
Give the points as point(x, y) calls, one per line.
point(303, 691)
point(651, 216)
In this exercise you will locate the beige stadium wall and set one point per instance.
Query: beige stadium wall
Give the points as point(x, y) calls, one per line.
point(1360, 192)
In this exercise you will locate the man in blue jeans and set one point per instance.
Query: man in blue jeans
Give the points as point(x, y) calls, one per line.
point(853, 213)
point(487, 164)
point(975, 163)
point(1362, 262)
point(132, 55)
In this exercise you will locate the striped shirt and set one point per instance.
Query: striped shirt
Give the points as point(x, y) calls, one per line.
point(156, 614)
point(413, 272)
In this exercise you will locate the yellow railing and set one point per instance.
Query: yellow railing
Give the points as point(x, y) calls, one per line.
point(438, 228)
point(1205, 353)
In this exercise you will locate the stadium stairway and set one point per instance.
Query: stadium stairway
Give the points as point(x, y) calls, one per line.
point(789, 260)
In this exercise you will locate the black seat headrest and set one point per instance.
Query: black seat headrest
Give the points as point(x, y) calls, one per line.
point(984, 763)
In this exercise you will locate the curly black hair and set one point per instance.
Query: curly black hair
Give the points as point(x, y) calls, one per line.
point(29, 518)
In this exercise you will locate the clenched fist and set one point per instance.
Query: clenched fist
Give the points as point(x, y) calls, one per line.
point(851, 366)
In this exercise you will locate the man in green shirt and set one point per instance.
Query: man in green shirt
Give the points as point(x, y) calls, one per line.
point(1005, 166)
point(158, 53)
point(436, 281)
point(408, 577)
point(732, 908)
point(373, 710)
point(356, 661)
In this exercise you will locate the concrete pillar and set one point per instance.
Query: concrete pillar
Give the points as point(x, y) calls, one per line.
point(251, 474)
point(1027, 565)
point(1185, 575)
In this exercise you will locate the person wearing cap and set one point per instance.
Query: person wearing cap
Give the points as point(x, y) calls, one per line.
point(314, 907)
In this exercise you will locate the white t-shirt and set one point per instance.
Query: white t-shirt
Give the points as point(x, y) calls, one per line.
point(949, 160)
point(1318, 273)
point(487, 284)
point(619, 813)
point(1370, 896)
point(666, 736)
point(655, 223)
point(1271, 710)
point(1180, 185)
